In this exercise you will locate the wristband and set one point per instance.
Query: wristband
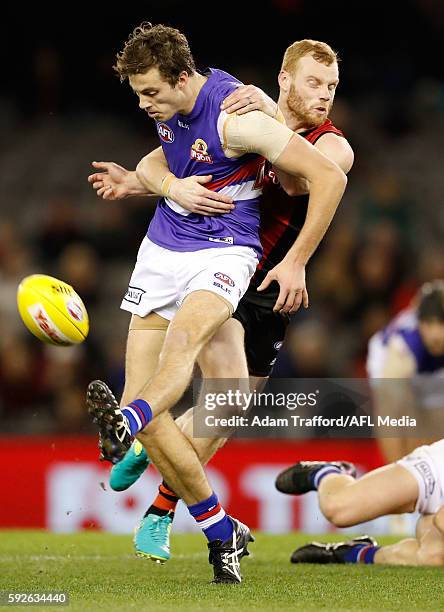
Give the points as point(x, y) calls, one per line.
point(165, 185)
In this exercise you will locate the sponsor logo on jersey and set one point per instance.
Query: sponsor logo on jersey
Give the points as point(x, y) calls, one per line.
point(165, 132)
point(222, 287)
point(134, 295)
point(75, 310)
point(183, 125)
point(199, 151)
point(277, 345)
point(46, 325)
point(224, 278)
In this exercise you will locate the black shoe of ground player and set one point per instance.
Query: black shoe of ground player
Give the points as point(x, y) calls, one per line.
point(297, 479)
point(315, 552)
point(225, 556)
point(114, 433)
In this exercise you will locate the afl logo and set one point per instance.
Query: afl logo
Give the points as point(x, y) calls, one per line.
point(74, 310)
point(165, 132)
point(224, 278)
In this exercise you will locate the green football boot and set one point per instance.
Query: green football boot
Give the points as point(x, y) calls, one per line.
point(152, 537)
point(130, 468)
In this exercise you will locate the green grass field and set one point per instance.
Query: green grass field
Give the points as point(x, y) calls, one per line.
point(100, 572)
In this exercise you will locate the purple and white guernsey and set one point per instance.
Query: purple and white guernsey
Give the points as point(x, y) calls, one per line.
point(405, 325)
point(428, 379)
point(193, 145)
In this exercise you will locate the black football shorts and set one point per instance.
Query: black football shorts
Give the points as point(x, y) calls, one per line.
point(264, 329)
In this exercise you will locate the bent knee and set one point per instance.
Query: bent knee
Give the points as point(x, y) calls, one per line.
point(219, 360)
point(338, 511)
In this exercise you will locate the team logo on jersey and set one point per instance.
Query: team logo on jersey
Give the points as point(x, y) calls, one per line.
point(199, 151)
point(224, 278)
point(278, 345)
point(165, 132)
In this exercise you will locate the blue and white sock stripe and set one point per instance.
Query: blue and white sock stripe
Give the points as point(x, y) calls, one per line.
point(212, 519)
point(328, 469)
point(139, 414)
point(134, 414)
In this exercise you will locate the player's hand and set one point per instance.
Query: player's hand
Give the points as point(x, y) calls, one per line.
point(115, 182)
point(246, 98)
point(292, 288)
point(191, 194)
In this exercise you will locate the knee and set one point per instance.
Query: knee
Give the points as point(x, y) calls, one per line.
point(338, 510)
point(179, 339)
point(221, 360)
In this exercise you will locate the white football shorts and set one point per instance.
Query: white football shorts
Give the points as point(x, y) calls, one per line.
point(426, 464)
point(162, 279)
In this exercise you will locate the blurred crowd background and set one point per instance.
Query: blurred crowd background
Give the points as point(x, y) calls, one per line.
point(61, 107)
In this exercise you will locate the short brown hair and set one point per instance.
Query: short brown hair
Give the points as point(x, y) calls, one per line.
point(321, 52)
point(155, 47)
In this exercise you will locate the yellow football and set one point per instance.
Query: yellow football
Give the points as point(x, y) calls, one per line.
point(52, 310)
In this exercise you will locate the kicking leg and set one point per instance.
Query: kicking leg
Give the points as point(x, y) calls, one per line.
point(194, 324)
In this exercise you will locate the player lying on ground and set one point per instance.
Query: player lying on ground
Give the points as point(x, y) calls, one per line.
point(405, 365)
point(308, 81)
point(414, 483)
point(175, 281)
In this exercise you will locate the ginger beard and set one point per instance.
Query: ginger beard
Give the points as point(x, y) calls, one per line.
point(300, 110)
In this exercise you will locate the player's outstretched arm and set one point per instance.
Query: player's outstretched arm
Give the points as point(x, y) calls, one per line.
point(153, 172)
point(114, 182)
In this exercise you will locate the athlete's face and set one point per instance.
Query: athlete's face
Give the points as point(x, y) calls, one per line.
point(311, 91)
point(156, 96)
point(432, 334)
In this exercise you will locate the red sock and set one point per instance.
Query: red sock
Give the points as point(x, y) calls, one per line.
point(166, 501)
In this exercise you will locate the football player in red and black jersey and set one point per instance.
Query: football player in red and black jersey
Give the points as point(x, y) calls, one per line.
point(307, 82)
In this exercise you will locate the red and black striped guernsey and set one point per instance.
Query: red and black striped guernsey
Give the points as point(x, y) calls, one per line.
point(283, 216)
